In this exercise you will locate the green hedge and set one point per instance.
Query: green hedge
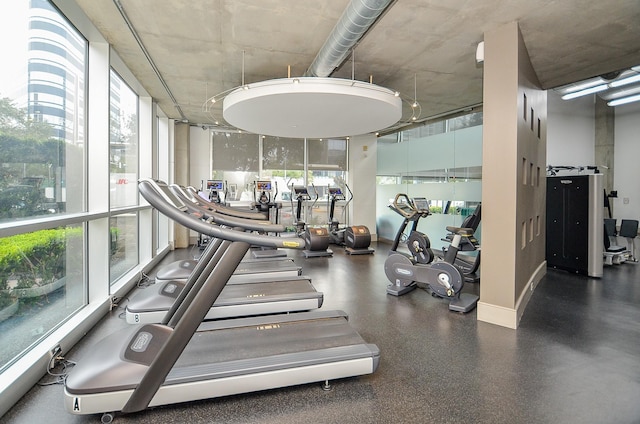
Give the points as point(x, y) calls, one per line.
point(40, 254)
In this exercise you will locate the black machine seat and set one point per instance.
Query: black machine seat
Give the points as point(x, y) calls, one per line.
point(464, 232)
point(611, 248)
point(610, 227)
point(629, 230)
point(612, 254)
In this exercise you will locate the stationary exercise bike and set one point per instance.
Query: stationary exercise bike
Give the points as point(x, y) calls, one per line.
point(405, 271)
point(469, 265)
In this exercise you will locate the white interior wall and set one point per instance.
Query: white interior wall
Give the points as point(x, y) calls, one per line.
point(571, 141)
point(570, 130)
point(362, 181)
point(626, 173)
point(199, 157)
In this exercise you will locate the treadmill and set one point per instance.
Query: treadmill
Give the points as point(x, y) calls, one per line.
point(249, 269)
point(183, 359)
point(244, 295)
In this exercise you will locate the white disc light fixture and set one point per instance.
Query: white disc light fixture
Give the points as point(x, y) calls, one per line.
point(312, 107)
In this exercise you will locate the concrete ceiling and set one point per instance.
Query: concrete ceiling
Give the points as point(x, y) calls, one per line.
point(197, 45)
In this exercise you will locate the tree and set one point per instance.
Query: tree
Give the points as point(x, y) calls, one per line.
point(27, 153)
point(16, 122)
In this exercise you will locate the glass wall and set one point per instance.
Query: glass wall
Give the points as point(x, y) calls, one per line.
point(123, 244)
point(123, 170)
point(42, 168)
point(123, 144)
point(54, 225)
point(41, 285)
point(441, 162)
point(41, 113)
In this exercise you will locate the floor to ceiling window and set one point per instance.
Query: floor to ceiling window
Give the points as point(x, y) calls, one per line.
point(42, 168)
point(123, 191)
point(73, 234)
point(236, 160)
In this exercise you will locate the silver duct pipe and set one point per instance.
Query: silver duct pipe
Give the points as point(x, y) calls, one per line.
point(357, 18)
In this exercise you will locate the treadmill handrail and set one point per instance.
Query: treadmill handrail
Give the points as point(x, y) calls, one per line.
point(247, 224)
point(225, 210)
point(150, 191)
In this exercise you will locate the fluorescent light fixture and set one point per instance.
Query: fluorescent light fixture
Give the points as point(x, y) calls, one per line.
point(624, 100)
point(584, 92)
point(625, 81)
point(572, 88)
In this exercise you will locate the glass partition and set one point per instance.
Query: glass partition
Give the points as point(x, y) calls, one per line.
point(433, 162)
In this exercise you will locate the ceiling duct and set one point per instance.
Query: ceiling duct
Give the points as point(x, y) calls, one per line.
point(355, 21)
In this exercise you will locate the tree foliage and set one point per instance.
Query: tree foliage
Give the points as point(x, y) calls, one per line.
point(17, 123)
point(29, 156)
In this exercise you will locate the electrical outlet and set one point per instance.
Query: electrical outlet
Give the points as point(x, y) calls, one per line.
point(55, 356)
point(55, 352)
point(113, 304)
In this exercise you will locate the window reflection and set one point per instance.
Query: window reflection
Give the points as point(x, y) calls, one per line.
point(123, 143)
point(41, 112)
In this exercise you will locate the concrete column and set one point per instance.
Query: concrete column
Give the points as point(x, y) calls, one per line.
point(513, 178)
point(181, 175)
point(604, 142)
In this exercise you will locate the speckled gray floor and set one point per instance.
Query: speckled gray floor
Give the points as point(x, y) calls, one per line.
point(574, 359)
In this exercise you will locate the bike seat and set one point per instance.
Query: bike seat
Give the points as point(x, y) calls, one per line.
point(464, 232)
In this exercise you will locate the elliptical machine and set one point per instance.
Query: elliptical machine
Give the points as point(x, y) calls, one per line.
point(316, 238)
point(271, 208)
point(356, 238)
point(211, 191)
point(404, 271)
point(217, 191)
